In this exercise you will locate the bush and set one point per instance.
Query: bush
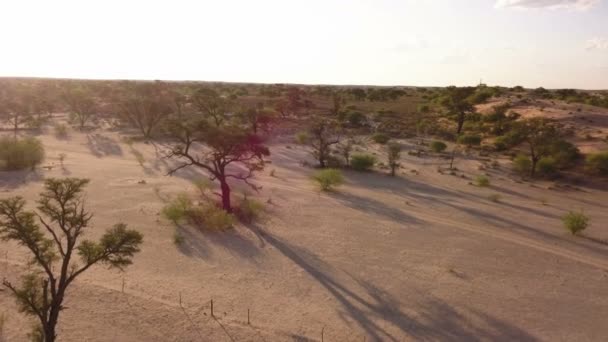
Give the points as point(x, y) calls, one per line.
point(249, 210)
point(482, 181)
point(522, 164)
point(356, 119)
point(177, 210)
point(380, 138)
point(362, 162)
point(18, 154)
point(495, 198)
point(61, 131)
point(302, 138)
point(564, 153)
point(597, 163)
point(211, 217)
point(328, 178)
point(438, 146)
point(575, 222)
point(178, 238)
point(547, 166)
point(470, 140)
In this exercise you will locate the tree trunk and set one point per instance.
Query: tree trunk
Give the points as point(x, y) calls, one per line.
point(460, 123)
point(49, 332)
point(393, 170)
point(533, 170)
point(225, 195)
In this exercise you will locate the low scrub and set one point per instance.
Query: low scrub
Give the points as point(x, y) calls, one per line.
point(470, 140)
point(575, 222)
point(522, 164)
point(380, 138)
point(211, 217)
point(597, 163)
point(19, 154)
point(302, 138)
point(206, 215)
point(249, 210)
point(438, 146)
point(177, 210)
point(61, 131)
point(547, 166)
point(328, 179)
point(362, 162)
point(482, 181)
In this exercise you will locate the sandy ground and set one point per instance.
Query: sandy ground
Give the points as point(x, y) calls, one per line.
point(423, 256)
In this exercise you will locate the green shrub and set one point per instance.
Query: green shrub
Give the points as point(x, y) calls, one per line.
point(61, 131)
point(547, 166)
point(328, 178)
point(470, 140)
point(302, 138)
point(380, 138)
point(210, 217)
point(597, 163)
point(438, 146)
point(575, 222)
point(564, 153)
point(482, 181)
point(362, 162)
point(522, 164)
point(177, 210)
point(178, 238)
point(19, 154)
point(249, 210)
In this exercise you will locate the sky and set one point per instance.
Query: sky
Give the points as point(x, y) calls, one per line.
point(549, 43)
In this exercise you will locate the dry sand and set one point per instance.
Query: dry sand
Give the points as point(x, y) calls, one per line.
point(422, 256)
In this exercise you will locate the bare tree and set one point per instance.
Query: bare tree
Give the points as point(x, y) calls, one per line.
point(42, 292)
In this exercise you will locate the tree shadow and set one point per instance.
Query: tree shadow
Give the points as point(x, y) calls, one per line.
point(102, 146)
point(504, 223)
point(236, 241)
point(10, 180)
point(371, 307)
point(374, 207)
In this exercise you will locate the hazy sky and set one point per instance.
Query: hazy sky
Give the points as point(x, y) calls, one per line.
point(553, 43)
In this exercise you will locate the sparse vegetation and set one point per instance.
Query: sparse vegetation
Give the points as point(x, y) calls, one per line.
point(328, 179)
point(438, 146)
point(362, 162)
point(469, 140)
point(19, 154)
point(522, 164)
point(575, 222)
point(249, 210)
point(482, 181)
point(302, 138)
point(495, 198)
point(177, 210)
point(61, 131)
point(597, 163)
point(380, 138)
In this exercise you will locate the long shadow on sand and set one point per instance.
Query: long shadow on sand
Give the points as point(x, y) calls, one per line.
point(372, 308)
point(198, 243)
point(101, 145)
point(10, 180)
